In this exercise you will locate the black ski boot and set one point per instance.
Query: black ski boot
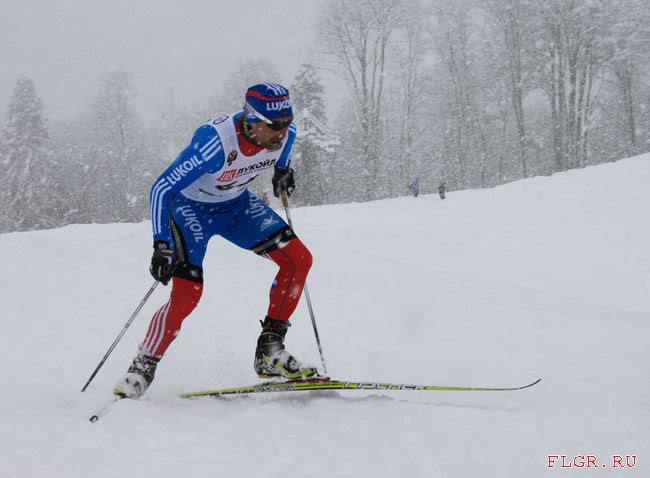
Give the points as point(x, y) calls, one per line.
point(138, 377)
point(272, 359)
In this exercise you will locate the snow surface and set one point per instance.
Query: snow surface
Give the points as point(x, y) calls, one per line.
point(546, 277)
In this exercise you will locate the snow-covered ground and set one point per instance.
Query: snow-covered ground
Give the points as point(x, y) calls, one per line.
point(547, 277)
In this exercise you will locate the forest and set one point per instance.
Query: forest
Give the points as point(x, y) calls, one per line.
point(466, 92)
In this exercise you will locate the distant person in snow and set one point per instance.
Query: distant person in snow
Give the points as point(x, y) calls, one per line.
point(414, 187)
point(202, 194)
point(441, 190)
point(265, 199)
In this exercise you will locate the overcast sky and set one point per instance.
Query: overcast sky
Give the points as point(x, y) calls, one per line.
point(188, 46)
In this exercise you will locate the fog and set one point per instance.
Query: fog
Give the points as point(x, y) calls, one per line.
point(185, 47)
point(98, 98)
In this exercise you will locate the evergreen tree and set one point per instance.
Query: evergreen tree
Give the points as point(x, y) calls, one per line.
point(171, 129)
point(310, 157)
point(116, 162)
point(307, 93)
point(29, 191)
point(71, 139)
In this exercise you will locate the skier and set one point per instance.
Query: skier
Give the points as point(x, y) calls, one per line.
point(414, 187)
point(441, 189)
point(202, 194)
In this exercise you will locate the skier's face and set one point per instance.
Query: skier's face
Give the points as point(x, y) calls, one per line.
point(270, 136)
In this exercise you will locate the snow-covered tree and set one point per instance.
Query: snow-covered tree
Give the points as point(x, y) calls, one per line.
point(465, 145)
point(622, 108)
point(355, 36)
point(571, 54)
point(510, 17)
point(72, 151)
point(307, 92)
point(168, 133)
point(408, 143)
point(30, 184)
point(119, 170)
point(312, 152)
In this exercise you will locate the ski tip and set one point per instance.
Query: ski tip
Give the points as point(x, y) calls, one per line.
point(533, 383)
point(93, 419)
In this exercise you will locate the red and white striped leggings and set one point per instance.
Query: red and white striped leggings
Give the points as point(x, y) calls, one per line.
point(294, 260)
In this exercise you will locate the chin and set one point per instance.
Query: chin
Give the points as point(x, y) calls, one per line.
point(274, 146)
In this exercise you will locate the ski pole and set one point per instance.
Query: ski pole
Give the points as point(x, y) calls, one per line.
point(285, 204)
point(137, 310)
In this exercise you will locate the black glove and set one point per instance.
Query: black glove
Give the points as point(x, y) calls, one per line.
point(163, 262)
point(283, 181)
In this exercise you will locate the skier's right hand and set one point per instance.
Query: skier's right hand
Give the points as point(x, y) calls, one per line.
point(163, 262)
point(283, 181)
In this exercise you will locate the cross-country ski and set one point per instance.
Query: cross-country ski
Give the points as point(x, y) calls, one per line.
point(327, 384)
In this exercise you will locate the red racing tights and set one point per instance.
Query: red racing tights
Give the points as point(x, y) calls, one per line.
point(294, 260)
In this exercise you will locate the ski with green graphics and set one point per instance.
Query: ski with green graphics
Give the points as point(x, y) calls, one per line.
point(325, 383)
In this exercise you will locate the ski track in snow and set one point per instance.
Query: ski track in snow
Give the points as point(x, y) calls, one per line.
point(546, 277)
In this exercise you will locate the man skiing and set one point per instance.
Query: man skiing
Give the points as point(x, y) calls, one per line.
point(414, 187)
point(203, 193)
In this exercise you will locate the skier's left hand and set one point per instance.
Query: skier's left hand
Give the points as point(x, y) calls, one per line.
point(283, 181)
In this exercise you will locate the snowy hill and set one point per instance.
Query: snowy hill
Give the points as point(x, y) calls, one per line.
point(546, 277)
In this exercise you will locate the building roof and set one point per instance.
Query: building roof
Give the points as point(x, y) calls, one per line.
point(309, 126)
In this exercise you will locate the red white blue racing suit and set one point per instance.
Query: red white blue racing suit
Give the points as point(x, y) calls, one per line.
point(202, 194)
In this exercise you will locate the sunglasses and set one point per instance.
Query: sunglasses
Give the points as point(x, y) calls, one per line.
point(279, 125)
